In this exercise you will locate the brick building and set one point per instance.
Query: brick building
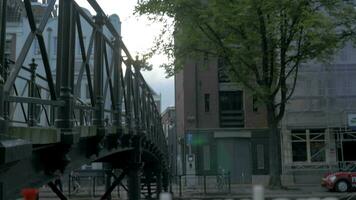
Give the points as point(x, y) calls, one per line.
point(222, 127)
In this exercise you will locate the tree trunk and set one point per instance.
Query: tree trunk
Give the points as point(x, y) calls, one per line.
point(274, 149)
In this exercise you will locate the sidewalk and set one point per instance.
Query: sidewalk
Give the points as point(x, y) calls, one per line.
point(245, 192)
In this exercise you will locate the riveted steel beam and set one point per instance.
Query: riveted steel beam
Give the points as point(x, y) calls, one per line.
point(98, 73)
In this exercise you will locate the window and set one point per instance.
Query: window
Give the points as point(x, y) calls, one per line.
point(260, 156)
point(8, 48)
point(254, 104)
point(299, 146)
point(36, 48)
point(55, 45)
point(207, 102)
point(317, 145)
point(231, 112)
point(308, 145)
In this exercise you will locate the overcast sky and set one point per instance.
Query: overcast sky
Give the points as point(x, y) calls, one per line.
point(138, 34)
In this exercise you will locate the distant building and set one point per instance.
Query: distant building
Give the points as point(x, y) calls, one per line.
point(222, 126)
point(16, 34)
point(169, 128)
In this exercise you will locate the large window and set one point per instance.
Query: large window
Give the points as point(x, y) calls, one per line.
point(308, 145)
point(231, 109)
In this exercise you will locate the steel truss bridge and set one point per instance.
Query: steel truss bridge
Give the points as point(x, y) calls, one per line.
point(59, 132)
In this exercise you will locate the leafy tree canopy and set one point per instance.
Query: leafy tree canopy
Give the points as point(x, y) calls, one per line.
point(263, 41)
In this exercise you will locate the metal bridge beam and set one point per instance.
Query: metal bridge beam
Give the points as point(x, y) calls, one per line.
point(3, 4)
point(3, 123)
point(99, 46)
point(117, 86)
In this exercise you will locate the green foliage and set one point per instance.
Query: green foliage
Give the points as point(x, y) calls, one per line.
point(263, 41)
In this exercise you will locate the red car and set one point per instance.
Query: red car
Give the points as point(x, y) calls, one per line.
point(339, 181)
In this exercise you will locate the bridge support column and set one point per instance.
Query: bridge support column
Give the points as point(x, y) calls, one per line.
point(165, 181)
point(108, 177)
point(159, 182)
point(65, 70)
point(134, 182)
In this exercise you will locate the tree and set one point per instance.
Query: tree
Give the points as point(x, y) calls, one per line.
point(263, 42)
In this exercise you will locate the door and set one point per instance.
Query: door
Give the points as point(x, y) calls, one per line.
point(234, 155)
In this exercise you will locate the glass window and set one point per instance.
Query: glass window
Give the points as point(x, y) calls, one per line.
point(55, 45)
point(36, 49)
point(231, 100)
point(314, 140)
point(254, 103)
point(207, 102)
point(231, 109)
point(299, 145)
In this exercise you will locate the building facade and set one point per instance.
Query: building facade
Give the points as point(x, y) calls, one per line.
point(319, 125)
point(222, 127)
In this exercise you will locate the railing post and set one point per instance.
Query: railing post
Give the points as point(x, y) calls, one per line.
point(128, 77)
point(98, 74)
point(204, 176)
point(65, 68)
point(32, 93)
point(137, 98)
point(229, 181)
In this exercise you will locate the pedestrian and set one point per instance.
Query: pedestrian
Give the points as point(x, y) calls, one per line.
point(75, 181)
point(58, 181)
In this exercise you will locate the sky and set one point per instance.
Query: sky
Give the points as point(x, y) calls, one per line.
point(138, 33)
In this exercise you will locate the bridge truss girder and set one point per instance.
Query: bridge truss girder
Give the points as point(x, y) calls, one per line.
point(132, 136)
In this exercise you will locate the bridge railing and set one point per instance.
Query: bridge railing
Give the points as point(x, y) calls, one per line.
point(48, 91)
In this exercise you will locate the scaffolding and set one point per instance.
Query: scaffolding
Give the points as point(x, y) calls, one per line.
point(323, 99)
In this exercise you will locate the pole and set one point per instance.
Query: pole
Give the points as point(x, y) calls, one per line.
point(204, 176)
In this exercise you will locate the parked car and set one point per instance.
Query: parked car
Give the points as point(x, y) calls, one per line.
point(342, 181)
